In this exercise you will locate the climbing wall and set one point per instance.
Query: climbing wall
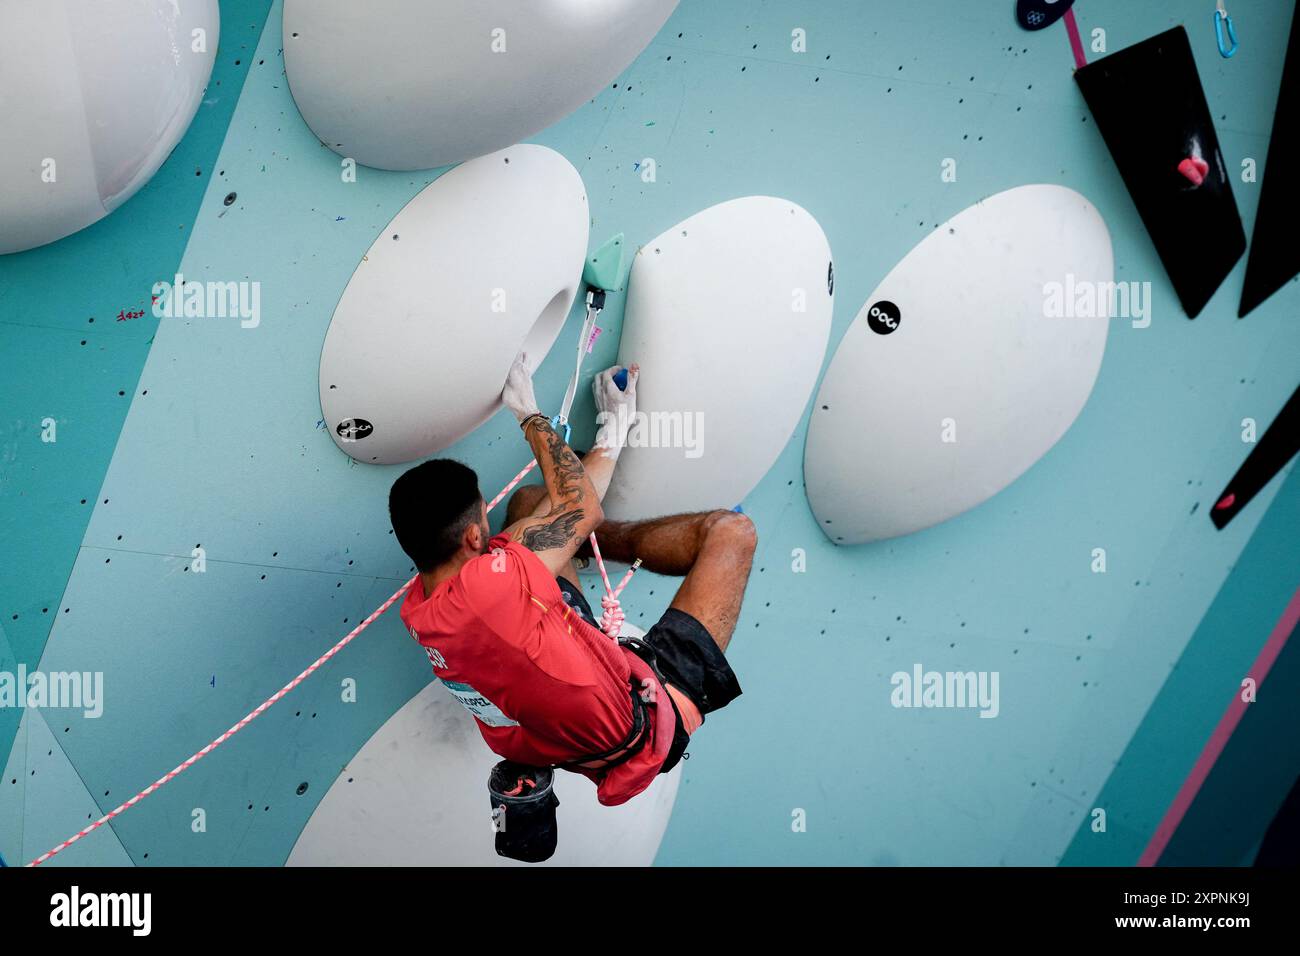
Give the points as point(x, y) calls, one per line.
point(184, 439)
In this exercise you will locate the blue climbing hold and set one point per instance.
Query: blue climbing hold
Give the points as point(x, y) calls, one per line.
point(620, 379)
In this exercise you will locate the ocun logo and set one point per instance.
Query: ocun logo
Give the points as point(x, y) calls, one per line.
point(354, 429)
point(75, 908)
point(884, 317)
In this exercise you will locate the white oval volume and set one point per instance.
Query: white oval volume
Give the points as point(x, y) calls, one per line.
point(485, 261)
point(95, 97)
point(416, 795)
point(728, 314)
point(965, 366)
point(413, 84)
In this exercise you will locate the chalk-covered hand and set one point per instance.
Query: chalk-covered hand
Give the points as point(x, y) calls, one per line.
point(518, 394)
point(615, 407)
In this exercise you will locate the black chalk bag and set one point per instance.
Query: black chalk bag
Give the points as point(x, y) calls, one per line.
point(523, 811)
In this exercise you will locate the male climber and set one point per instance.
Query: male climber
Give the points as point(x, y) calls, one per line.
point(510, 634)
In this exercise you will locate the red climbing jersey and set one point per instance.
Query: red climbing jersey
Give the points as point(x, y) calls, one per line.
point(544, 685)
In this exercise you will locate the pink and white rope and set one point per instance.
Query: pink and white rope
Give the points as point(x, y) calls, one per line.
point(611, 621)
point(260, 708)
point(510, 486)
point(274, 698)
point(244, 722)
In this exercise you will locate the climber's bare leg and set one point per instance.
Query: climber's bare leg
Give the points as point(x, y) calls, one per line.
point(714, 550)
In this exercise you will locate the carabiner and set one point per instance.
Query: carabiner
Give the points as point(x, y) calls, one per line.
point(559, 421)
point(1220, 18)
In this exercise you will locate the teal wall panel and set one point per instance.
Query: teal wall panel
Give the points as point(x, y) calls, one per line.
point(1251, 778)
point(68, 357)
point(1228, 820)
point(39, 774)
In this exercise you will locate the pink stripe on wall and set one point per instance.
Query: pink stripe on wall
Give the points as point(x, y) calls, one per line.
point(1222, 733)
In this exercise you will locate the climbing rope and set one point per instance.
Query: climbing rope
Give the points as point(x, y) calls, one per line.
point(244, 722)
point(611, 624)
point(611, 621)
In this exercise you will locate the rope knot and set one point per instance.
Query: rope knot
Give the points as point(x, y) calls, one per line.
point(611, 622)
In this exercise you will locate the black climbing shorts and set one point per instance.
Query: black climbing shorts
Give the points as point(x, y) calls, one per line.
point(685, 655)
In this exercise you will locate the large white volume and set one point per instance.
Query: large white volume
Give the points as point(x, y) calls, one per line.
point(964, 367)
point(485, 261)
point(94, 96)
point(728, 314)
point(413, 84)
point(416, 795)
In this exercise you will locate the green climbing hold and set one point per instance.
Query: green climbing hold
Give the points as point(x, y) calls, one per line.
point(605, 266)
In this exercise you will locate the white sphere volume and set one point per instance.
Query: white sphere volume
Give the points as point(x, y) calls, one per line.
point(965, 366)
point(94, 96)
point(414, 84)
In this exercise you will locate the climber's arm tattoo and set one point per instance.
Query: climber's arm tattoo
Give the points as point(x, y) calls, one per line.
point(556, 533)
point(575, 506)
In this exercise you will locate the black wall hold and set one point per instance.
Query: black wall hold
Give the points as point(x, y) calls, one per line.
point(1040, 14)
point(1275, 448)
point(1274, 252)
point(1150, 107)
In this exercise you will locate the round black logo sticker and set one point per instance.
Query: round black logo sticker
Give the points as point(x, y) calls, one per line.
point(883, 317)
point(354, 429)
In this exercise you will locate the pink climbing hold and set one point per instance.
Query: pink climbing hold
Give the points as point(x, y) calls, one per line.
point(1195, 169)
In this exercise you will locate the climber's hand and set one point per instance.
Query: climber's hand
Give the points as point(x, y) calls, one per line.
point(615, 407)
point(518, 393)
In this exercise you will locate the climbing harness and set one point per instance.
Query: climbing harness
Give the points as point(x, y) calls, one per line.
point(631, 744)
point(610, 622)
point(1224, 30)
point(521, 795)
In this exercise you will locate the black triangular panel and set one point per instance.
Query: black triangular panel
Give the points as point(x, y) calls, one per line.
point(1150, 107)
point(1274, 251)
point(1276, 447)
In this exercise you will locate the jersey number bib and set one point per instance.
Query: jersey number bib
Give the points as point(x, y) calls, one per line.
point(478, 705)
